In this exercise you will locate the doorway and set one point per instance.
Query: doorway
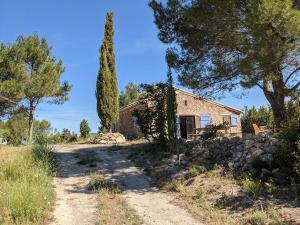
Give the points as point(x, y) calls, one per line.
point(187, 125)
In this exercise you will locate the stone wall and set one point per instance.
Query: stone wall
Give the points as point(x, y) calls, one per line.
point(239, 154)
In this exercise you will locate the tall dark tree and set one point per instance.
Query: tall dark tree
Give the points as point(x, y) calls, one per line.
point(171, 107)
point(107, 84)
point(221, 45)
point(30, 66)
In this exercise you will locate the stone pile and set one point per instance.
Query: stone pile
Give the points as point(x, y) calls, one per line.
point(109, 138)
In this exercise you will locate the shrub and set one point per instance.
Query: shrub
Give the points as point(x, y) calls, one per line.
point(173, 185)
point(211, 131)
point(253, 188)
point(98, 183)
point(195, 171)
point(73, 137)
point(198, 193)
point(257, 218)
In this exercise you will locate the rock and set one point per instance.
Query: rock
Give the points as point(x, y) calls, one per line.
point(231, 165)
point(276, 170)
point(257, 153)
point(249, 143)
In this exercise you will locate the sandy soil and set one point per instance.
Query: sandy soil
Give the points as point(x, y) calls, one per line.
point(76, 205)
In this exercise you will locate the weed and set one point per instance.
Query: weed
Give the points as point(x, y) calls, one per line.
point(98, 182)
point(253, 188)
point(195, 171)
point(174, 186)
point(198, 193)
point(257, 218)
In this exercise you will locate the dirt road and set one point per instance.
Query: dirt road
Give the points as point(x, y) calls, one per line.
point(76, 205)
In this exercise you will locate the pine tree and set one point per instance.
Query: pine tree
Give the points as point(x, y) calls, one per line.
point(84, 128)
point(107, 84)
point(171, 107)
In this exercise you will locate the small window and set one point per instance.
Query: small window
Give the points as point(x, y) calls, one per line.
point(227, 120)
point(234, 120)
point(205, 120)
point(185, 102)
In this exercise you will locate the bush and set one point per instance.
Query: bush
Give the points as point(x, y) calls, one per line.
point(253, 188)
point(257, 218)
point(173, 185)
point(211, 131)
point(195, 171)
point(287, 154)
point(73, 138)
point(198, 193)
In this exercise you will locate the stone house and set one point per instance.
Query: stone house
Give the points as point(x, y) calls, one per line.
point(193, 113)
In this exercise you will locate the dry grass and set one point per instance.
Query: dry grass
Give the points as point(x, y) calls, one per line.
point(26, 193)
point(113, 209)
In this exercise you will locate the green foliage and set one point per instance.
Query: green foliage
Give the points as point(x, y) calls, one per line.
point(17, 129)
point(255, 44)
point(130, 95)
point(252, 187)
point(211, 131)
point(152, 117)
point(173, 185)
point(55, 138)
point(198, 193)
point(65, 135)
point(257, 218)
point(287, 154)
point(262, 116)
point(27, 193)
point(171, 107)
point(29, 66)
point(84, 128)
point(73, 137)
point(195, 171)
point(107, 85)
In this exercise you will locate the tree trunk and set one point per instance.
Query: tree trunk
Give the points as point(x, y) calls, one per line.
point(276, 97)
point(30, 123)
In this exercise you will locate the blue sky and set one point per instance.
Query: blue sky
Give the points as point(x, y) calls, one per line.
point(75, 29)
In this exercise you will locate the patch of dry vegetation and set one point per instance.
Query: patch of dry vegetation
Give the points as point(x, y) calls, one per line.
point(113, 209)
point(215, 196)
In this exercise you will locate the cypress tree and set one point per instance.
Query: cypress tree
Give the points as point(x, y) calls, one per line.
point(107, 84)
point(171, 107)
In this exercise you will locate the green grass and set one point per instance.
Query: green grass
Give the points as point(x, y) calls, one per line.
point(253, 188)
point(26, 192)
point(195, 171)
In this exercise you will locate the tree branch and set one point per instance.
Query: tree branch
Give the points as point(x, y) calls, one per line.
point(291, 74)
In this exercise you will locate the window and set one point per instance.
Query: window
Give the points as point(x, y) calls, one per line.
point(227, 120)
point(234, 120)
point(205, 120)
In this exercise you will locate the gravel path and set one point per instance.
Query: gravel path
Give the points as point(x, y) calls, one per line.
point(75, 205)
